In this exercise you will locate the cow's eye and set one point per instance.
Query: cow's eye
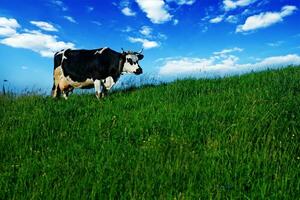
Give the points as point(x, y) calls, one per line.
point(130, 61)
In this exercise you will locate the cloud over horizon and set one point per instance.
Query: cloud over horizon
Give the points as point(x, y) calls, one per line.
point(224, 65)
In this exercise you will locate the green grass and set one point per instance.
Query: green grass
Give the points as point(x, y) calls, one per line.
point(231, 138)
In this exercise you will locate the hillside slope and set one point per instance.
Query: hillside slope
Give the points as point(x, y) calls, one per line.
point(233, 138)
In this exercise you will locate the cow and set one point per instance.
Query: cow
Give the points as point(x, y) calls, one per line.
point(98, 68)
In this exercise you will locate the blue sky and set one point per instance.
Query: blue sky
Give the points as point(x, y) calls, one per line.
point(180, 38)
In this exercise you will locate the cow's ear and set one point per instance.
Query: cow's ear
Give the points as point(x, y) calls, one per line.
point(140, 56)
point(123, 55)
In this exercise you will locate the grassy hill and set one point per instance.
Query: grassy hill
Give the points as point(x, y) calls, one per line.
point(235, 138)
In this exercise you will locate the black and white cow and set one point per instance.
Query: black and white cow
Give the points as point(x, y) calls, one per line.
point(98, 68)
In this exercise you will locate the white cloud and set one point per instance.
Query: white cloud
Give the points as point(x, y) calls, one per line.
point(148, 38)
point(7, 31)
point(233, 4)
point(128, 12)
point(205, 18)
point(162, 36)
point(277, 61)
point(175, 22)
point(183, 2)
point(184, 66)
point(216, 20)
point(97, 23)
point(70, 19)
point(36, 41)
point(44, 44)
point(90, 8)
point(127, 29)
point(8, 26)
point(57, 2)
point(156, 10)
point(44, 26)
point(146, 31)
point(124, 3)
point(6, 22)
point(275, 44)
point(60, 4)
point(216, 66)
point(204, 29)
point(227, 51)
point(265, 19)
point(287, 10)
point(232, 19)
point(125, 8)
point(147, 44)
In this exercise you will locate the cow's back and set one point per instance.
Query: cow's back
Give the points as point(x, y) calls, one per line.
point(80, 65)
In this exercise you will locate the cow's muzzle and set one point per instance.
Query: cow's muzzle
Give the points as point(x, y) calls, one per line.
point(139, 71)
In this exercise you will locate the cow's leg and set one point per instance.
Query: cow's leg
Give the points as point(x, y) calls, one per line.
point(71, 89)
point(65, 95)
point(97, 85)
point(104, 91)
point(67, 91)
point(107, 84)
point(64, 87)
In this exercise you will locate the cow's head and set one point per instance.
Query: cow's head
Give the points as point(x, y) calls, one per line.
point(131, 64)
